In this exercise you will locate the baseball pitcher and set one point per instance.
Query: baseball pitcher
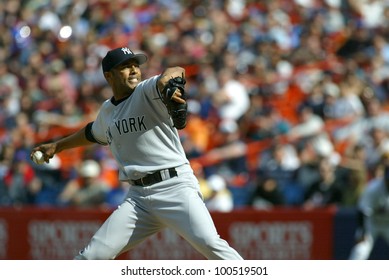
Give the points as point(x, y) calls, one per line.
point(140, 126)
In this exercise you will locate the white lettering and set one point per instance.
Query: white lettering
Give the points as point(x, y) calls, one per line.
point(59, 239)
point(272, 240)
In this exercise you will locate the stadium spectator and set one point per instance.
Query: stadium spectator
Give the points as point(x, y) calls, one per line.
point(307, 172)
point(267, 195)
point(262, 122)
point(354, 163)
point(20, 180)
point(375, 142)
point(327, 191)
point(371, 11)
point(197, 134)
point(280, 164)
point(346, 104)
point(369, 129)
point(312, 128)
point(232, 99)
point(87, 189)
point(229, 158)
point(220, 198)
point(309, 125)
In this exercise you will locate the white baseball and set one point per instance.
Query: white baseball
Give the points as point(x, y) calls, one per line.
point(38, 157)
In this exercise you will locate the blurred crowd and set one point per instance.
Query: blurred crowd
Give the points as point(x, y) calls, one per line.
point(288, 99)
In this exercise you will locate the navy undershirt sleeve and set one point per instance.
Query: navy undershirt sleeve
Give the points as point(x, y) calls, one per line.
point(88, 133)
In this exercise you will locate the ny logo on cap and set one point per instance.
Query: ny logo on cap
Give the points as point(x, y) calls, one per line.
point(127, 51)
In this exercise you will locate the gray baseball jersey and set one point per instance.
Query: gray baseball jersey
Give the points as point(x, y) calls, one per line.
point(139, 132)
point(141, 136)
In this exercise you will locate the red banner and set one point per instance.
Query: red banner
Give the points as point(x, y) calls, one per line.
point(282, 234)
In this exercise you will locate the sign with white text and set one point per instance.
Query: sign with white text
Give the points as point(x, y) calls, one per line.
point(58, 234)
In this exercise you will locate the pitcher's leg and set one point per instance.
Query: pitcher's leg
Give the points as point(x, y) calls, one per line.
point(189, 217)
point(126, 227)
point(202, 234)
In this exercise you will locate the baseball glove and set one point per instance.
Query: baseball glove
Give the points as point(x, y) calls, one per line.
point(177, 111)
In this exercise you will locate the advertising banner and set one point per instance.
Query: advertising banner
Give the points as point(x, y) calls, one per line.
point(282, 234)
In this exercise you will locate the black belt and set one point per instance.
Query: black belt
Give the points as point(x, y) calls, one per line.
point(155, 177)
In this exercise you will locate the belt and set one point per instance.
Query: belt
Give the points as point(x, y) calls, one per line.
point(155, 177)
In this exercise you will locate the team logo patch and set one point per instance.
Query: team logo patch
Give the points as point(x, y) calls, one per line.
point(126, 51)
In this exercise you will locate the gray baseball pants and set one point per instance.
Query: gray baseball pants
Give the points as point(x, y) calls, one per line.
point(175, 203)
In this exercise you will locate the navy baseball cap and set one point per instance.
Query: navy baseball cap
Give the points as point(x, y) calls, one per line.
point(119, 55)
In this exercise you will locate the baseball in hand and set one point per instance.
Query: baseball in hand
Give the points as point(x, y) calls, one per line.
point(38, 157)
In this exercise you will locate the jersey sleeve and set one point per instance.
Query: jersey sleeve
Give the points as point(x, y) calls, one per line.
point(98, 128)
point(151, 89)
point(152, 94)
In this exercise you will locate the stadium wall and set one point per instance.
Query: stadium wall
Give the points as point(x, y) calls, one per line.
point(279, 234)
